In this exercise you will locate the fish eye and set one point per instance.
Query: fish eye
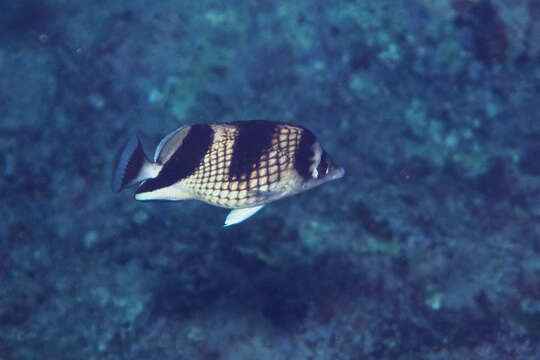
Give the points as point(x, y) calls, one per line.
point(323, 168)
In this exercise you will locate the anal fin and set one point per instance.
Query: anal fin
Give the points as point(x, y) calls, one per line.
point(236, 216)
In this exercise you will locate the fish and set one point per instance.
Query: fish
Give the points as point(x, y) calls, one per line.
point(241, 165)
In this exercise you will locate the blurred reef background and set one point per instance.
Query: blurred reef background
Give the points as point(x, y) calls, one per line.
point(429, 248)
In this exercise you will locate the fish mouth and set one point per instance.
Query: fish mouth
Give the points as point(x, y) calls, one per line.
point(335, 173)
point(338, 174)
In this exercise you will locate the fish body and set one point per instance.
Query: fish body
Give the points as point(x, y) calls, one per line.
point(239, 165)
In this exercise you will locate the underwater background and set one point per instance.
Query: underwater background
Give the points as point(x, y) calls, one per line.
point(428, 248)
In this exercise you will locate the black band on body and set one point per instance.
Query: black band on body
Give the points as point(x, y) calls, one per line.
point(254, 138)
point(184, 161)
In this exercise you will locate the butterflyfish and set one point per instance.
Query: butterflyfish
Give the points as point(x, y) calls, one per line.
point(240, 165)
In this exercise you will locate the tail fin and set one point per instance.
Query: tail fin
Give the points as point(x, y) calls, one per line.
point(132, 166)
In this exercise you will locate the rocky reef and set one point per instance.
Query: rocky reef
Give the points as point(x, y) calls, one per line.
point(428, 248)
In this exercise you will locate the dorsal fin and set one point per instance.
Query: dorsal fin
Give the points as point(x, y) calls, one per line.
point(169, 144)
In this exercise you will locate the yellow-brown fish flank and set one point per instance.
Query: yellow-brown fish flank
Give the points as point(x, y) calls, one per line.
point(229, 177)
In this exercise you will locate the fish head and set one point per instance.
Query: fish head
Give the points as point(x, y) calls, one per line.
point(321, 169)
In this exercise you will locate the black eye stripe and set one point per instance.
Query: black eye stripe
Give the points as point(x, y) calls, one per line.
point(303, 154)
point(323, 165)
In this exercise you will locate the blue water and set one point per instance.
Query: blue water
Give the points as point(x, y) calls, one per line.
point(428, 248)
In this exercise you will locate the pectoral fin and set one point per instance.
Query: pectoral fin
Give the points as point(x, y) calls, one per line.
point(236, 216)
point(265, 196)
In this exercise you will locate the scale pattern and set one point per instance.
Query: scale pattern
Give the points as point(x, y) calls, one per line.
point(213, 182)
